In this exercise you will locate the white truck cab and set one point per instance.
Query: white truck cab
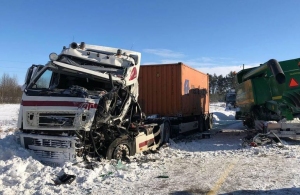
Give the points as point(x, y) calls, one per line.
point(83, 102)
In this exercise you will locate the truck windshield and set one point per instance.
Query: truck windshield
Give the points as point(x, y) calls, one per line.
point(58, 83)
point(44, 81)
point(231, 97)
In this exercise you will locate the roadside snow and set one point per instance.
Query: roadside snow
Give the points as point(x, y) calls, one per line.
point(8, 118)
point(189, 165)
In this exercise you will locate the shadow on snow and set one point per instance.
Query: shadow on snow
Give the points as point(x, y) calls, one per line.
point(285, 191)
point(216, 139)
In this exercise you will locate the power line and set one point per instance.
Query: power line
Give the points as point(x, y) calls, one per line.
point(14, 68)
point(14, 61)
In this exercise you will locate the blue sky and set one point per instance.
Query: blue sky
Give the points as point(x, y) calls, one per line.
point(214, 36)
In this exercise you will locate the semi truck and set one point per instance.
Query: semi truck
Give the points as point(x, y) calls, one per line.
point(230, 98)
point(268, 97)
point(84, 104)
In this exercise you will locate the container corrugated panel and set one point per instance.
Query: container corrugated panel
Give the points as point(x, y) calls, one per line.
point(195, 91)
point(173, 90)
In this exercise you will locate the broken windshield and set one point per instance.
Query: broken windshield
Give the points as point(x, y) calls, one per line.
point(63, 83)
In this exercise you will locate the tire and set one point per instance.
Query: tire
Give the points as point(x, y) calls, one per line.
point(119, 149)
point(166, 132)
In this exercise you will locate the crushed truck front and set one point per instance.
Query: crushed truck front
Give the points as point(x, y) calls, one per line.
point(62, 98)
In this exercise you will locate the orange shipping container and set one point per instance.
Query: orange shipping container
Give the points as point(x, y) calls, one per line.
point(173, 90)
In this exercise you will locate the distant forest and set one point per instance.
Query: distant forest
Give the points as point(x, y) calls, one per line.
point(219, 85)
point(11, 93)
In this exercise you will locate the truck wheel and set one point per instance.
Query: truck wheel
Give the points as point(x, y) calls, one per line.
point(167, 132)
point(119, 149)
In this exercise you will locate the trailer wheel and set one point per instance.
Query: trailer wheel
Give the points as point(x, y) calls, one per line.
point(167, 132)
point(119, 149)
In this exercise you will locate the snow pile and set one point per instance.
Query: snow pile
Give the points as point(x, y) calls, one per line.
point(188, 165)
point(8, 119)
point(222, 115)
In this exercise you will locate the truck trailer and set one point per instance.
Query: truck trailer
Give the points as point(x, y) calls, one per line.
point(84, 104)
point(178, 93)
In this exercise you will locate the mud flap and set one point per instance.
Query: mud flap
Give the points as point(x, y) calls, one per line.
point(208, 121)
point(165, 132)
point(158, 133)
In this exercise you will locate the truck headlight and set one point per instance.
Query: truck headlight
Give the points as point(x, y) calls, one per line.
point(53, 56)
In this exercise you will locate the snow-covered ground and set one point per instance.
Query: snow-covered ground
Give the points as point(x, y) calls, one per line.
point(189, 165)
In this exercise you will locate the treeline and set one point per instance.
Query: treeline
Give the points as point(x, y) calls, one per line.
point(10, 90)
point(219, 85)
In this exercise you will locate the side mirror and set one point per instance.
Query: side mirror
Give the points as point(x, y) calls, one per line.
point(28, 75)
point(31, 72)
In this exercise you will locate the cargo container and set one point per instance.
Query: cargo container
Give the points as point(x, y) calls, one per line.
point(178, 92)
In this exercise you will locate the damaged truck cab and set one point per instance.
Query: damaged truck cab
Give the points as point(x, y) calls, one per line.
point(83, 102)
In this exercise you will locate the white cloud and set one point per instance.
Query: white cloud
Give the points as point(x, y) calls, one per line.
point(204, 59)
point(166, 53)
point(219, 70)
point(165, 61)
point(212, 66)
point(223, 70)
point(169, 61)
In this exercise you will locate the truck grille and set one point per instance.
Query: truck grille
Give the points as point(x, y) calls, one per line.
point(51, 143)
point(51, 155)
point(54, 150)
point(56, 120)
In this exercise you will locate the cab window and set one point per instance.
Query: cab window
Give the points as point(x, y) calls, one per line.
point(44, 80)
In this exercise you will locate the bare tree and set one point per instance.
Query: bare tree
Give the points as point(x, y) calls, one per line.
point(10, 91)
